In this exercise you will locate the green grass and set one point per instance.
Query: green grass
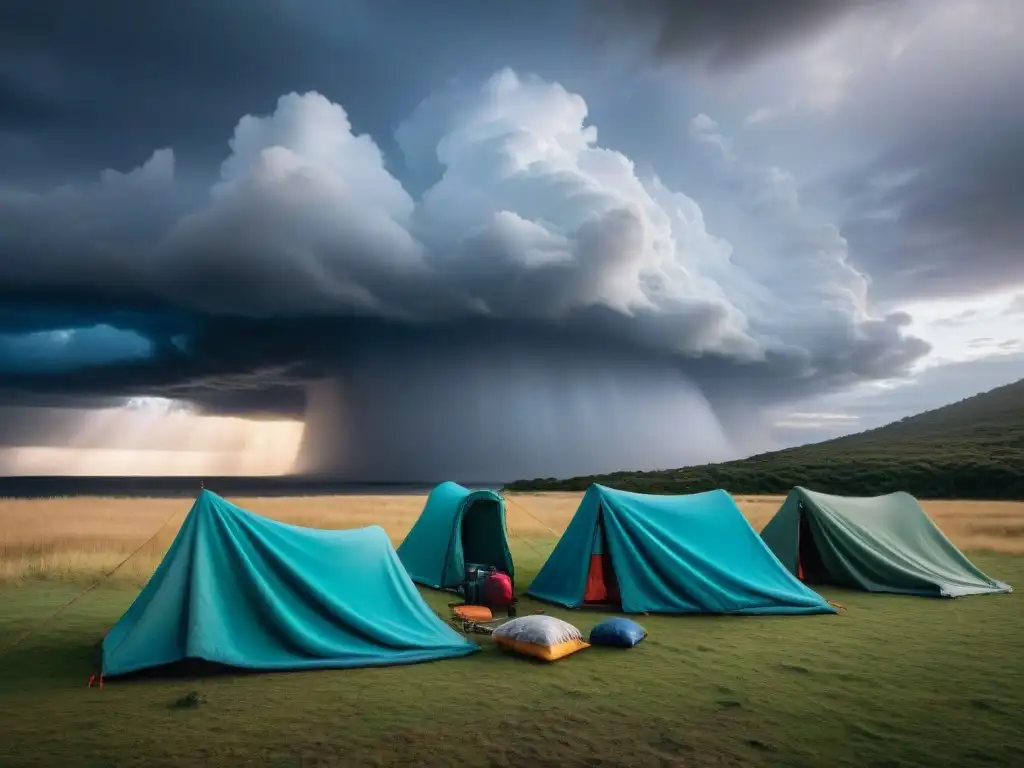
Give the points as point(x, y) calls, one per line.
point(972, 449)
point(894, 682)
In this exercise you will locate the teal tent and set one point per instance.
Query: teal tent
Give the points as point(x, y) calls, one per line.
point(457, 527)
point(240, 590)
point(877, 544)
point(668, 554)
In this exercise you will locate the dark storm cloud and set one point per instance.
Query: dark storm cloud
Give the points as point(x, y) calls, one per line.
point(85, 87)
point(938, 210)
point(286, 232)
point(722, 33)
point(68, 74)
point(953, 225)
point(306, 249)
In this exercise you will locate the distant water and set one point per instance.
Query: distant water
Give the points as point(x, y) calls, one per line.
point(187, 487)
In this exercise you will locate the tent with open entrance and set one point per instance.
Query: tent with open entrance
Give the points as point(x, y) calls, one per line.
point(643, 553)
point(877, 544)
point(240, 590)
point(457, 527)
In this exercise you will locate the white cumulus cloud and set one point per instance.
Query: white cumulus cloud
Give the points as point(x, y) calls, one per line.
point(530, 219)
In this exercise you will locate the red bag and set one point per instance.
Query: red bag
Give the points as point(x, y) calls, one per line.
point(497, 590)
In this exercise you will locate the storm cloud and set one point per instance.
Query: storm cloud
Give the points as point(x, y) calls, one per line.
point(726, 33)
point(91, 88)
point(531, 221)
point(317, 217)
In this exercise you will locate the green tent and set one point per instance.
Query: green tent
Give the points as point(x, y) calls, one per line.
point(642, 553)
point(243, 591)
point(877, 544)
point(457, 528)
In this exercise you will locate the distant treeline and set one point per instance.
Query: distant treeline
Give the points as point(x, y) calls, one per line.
point(861, 477)
point(973, 449)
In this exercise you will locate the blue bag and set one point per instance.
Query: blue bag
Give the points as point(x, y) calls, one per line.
point(617, 632)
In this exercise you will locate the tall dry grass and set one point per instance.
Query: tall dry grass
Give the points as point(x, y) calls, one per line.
point(81, 539)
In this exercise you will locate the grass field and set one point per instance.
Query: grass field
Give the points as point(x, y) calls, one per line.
point(893, 681)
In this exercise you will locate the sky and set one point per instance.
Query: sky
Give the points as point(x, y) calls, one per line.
point(387, 241)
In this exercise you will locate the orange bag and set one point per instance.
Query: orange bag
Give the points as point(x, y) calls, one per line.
point(472, 612)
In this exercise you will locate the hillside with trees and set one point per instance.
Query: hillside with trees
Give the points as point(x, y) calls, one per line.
point(970, 449)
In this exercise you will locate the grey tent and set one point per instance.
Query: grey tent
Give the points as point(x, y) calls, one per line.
point(877, 544)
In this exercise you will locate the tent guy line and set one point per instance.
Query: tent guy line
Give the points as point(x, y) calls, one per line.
point(19, 640)
point(531, 515)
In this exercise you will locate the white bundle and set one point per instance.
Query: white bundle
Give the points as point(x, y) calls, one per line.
point(538, 630)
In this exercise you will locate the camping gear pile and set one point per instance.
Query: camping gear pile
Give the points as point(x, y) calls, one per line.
point(240, 590)
point(487, 586)
point(484, 592)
